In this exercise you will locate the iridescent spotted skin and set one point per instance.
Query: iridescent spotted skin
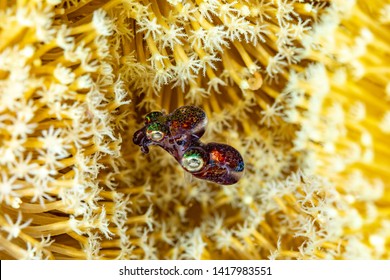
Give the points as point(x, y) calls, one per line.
point(179, 134)
point(225, 165)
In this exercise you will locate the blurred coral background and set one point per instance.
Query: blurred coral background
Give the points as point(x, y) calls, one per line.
point(300, 87)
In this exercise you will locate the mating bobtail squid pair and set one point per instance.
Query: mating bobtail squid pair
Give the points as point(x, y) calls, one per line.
point(179, 134)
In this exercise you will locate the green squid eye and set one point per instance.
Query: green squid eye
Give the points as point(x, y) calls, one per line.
point(156, 131)
point(194, 159)
point(153, 116)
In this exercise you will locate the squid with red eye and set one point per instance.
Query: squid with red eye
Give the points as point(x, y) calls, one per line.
point(179, 134)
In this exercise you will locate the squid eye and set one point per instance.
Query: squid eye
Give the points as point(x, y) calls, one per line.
point(153, 116)
point(156, 131)
point(194, 159)
point(156, 135)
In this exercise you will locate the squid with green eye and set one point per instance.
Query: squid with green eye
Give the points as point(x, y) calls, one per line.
point(179, 134)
